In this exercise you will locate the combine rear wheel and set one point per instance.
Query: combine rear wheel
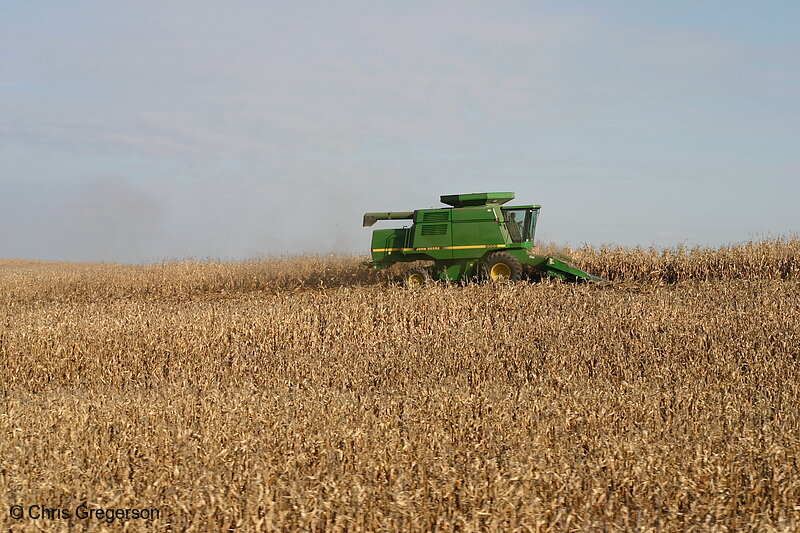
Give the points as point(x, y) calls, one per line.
point(501, 266)
point(415, 278)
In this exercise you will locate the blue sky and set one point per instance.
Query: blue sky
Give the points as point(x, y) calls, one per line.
point(142, 131)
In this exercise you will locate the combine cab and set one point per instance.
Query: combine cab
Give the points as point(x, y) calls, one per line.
point(478, 237)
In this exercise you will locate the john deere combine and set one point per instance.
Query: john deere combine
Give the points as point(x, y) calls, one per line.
point(478, 237)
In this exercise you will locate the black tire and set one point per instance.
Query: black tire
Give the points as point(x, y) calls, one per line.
point(501, 266)
point(415, 278)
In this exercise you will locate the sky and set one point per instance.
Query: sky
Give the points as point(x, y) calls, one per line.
point(145, 131)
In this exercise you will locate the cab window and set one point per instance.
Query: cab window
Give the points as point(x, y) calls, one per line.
point(520, 224)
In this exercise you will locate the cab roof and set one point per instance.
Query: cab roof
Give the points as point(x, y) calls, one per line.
point(522, 207)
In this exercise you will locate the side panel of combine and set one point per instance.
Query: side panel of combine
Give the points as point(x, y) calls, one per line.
point(388, 242)
point(433, 233)
point(476, 231)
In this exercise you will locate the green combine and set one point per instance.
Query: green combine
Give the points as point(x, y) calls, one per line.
point(478, 237)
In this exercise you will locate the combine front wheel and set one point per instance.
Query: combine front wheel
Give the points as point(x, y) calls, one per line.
point(416, 277)
point(502, 266)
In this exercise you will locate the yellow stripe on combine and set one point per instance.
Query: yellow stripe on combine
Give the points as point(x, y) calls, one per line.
point(475, 246)
point(434, 248)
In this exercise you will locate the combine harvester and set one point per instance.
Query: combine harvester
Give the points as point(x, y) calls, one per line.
point(478, 237)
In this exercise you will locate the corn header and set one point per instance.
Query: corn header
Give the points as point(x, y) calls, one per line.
point(477, 237)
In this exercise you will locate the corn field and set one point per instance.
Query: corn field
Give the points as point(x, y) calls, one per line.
point(309, 393)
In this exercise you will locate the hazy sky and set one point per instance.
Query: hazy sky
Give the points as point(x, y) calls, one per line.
point(138, 131)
